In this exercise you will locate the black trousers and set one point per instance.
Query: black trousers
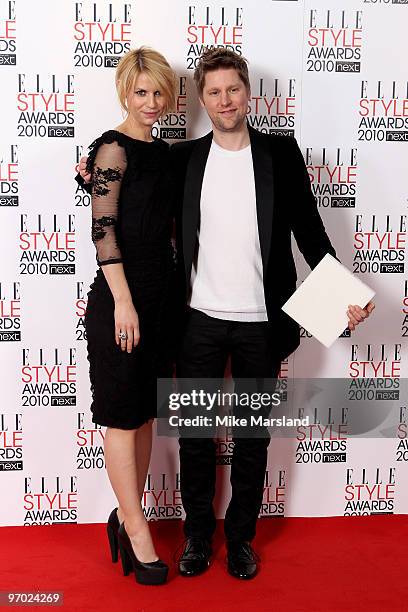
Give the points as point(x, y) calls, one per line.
point(207, 344)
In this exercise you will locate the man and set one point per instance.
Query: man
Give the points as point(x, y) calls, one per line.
point(242, 195)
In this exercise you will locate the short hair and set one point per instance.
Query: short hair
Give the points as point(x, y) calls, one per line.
point(154, 65)
point(213, 59)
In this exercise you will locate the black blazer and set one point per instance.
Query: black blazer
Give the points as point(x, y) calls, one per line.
point(285, 203)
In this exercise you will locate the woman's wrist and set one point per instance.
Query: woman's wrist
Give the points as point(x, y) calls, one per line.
point(123, 300)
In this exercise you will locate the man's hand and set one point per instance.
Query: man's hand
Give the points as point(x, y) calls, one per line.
point(357, 315)
point(82, 170)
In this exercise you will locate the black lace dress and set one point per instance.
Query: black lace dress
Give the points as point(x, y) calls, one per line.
point(131, 223)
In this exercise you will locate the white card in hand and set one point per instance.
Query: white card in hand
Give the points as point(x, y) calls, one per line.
point(320, 303)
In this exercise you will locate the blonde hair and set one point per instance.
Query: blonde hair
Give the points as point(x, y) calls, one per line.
point(154, 65)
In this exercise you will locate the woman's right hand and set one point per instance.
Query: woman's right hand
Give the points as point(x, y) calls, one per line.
point(87, 176)
point(126, 321)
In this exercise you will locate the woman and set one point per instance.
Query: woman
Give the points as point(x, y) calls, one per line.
point(129, 299)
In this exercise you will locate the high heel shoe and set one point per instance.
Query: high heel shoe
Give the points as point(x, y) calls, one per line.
point(145, 573)
point(112, 528)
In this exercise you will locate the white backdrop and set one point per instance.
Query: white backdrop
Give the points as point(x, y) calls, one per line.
point(330, 73)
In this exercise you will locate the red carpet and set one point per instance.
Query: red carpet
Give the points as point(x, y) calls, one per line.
point(309, 564)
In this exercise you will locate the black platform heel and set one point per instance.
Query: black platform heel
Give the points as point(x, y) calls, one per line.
point(153, 573)
point(112, 528)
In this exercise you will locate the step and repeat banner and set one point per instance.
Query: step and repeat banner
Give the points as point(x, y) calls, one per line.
point(330, 73)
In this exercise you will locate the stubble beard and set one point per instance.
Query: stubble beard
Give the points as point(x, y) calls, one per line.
point(226, 126)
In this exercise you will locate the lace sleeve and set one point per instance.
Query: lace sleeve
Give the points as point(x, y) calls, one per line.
point(108, 167)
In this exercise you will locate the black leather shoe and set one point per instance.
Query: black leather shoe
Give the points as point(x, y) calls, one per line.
point(195, 557)
point(112, 528)
point(242, 561)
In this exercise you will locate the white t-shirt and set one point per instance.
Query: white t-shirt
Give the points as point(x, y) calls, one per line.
point(227, 278)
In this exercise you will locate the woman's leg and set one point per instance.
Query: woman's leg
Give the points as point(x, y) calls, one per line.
point(121, 464)
point(143, 453)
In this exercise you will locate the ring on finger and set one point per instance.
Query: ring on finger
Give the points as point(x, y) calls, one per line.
point(123, 335)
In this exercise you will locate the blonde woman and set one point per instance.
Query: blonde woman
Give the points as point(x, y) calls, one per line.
point(129, 298)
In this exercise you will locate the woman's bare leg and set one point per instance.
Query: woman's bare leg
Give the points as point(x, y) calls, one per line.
point(121, 464)
point(143, 454)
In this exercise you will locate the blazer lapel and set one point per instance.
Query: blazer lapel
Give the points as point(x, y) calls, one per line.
point(191, 199)
point(264, 190)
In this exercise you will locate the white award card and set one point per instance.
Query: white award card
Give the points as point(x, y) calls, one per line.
point(320, 303)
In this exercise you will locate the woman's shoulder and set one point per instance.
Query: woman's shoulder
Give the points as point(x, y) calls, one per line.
point(120, 137)
point(132, 147)
point(109, 137)
point(112, 145)
point(129, 143)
